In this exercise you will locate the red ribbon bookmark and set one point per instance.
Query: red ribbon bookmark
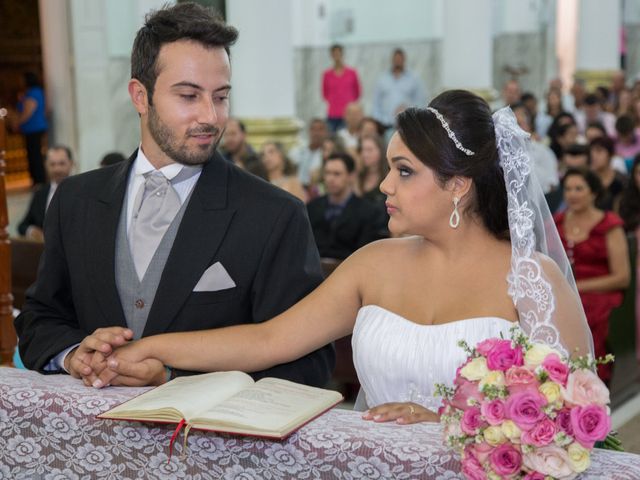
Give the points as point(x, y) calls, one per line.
point(174, 436)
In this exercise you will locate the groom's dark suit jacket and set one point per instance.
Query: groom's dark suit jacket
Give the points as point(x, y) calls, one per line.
point(259, 233)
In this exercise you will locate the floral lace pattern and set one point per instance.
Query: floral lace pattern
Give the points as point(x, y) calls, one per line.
point(531, 292)
point(49, 435)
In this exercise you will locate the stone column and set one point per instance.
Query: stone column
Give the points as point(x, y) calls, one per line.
point(467, 48)
point(263, 93)
point(598, 37)
point(58, 71)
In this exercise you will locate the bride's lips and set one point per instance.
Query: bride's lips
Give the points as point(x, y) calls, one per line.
point(391, 209)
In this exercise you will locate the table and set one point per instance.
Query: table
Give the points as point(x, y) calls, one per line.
point(48, 430)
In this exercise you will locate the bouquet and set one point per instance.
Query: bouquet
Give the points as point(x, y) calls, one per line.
point(518, 410)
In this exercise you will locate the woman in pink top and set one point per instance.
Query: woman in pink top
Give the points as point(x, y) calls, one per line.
point(340, 86)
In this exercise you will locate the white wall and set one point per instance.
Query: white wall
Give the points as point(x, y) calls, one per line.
point(355, 22)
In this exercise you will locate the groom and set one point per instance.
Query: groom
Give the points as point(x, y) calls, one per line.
point(175, 239)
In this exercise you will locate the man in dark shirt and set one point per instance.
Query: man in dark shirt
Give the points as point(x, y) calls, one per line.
point(341, 221)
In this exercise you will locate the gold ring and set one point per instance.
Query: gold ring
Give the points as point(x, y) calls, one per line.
point(412, 411)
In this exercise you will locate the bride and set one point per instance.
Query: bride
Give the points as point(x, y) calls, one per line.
point(473, 258)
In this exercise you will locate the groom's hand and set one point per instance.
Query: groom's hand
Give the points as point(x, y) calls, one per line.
point(404, 413)
point(129, 365)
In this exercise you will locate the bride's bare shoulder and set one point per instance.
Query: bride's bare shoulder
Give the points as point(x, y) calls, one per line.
point(386, 251)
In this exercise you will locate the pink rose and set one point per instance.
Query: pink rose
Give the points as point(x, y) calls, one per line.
point(541, 434)
point(585, 388)
point(471, 421)
point(465, 390)
point(558, 370)
point(472, 469)
point(502, 356)
point(480, 451)
point(506, 460)
point(563, 421)
point(485, 346)
point(589, 424)
point(520, 378)
point(534, 476)
point(525, 408)
point(493, 411)
point(550, 460)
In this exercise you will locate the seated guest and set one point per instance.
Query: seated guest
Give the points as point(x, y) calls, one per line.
point(372, 169)
point(280, 170)
point(628, 139)
point(591, 112)
point(369, 126)
point(58, 166)
point(596, 130)
point(112, 158)
point(553, 108)
point(575, 156)
point(544, 162)
point(341, 221)
point(237, 150)
point(308, 158)
point(600, 154)
point(562, 137)
point(353, 115)
point(597, 249)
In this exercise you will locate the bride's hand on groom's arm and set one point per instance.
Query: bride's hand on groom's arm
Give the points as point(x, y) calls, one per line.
point(404, 413)
point(129, 365)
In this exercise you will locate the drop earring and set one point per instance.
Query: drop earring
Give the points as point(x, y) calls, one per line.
point(454, 219)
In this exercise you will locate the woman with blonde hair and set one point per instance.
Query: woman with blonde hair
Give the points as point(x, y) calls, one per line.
point(280, 170)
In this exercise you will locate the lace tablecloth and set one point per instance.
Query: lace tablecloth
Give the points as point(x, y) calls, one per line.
point(48, 430)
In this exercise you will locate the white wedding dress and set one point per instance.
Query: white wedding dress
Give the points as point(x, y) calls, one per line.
point(398, 360)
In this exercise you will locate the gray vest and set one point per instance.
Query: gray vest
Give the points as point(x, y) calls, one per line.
point(137, 296)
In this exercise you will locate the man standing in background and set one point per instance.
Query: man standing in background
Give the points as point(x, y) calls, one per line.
point(396, 90)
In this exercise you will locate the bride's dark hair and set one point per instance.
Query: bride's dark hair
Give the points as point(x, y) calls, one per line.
point(469, 117)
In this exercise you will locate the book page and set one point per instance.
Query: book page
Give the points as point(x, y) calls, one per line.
point(270, 404)
point(190, 395)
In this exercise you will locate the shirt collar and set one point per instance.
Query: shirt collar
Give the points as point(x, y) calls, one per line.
point(142, 166)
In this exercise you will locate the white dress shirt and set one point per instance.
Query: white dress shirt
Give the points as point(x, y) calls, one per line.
point(182, 184)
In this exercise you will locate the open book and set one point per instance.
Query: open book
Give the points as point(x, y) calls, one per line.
point(230, 402)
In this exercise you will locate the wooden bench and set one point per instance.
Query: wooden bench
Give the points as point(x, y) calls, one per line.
point(25, 257)
point(622, 338)
point(7, 332)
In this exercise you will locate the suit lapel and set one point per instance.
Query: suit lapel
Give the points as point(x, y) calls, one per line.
point(203, 227)
point(103, 215)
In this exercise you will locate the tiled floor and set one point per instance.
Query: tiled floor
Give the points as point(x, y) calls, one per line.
point(630, 435)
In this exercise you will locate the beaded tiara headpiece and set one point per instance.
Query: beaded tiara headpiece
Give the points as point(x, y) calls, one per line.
point(450, 133)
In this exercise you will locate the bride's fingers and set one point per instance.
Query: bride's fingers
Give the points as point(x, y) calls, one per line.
point(387, 412)
point(404, 413)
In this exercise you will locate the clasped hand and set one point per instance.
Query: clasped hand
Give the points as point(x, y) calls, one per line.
point(106, 358)
point(404, 413)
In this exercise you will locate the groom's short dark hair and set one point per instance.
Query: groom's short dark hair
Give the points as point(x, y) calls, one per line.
point(184, 21)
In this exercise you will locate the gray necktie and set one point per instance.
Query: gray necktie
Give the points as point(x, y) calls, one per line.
point(154, 209)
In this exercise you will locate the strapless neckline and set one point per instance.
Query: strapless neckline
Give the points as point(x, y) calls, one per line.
point(433, 325)
point(398, 360)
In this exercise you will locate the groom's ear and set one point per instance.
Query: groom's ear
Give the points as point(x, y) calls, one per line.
point(459, 186)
